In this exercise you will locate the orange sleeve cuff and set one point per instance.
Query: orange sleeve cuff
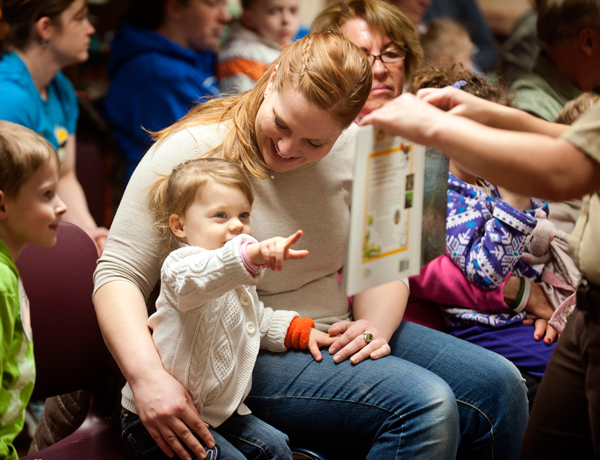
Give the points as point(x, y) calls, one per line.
point(298, 333)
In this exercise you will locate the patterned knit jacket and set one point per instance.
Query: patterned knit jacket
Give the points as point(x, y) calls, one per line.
point(485, 235)
point(209, 326)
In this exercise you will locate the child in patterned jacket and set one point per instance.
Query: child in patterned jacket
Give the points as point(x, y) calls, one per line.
point(209, 323)
point(486, 232)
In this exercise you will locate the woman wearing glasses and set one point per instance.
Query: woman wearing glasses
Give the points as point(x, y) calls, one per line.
point(387, 37)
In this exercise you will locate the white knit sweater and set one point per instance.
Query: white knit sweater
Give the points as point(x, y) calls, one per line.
point(209, 326)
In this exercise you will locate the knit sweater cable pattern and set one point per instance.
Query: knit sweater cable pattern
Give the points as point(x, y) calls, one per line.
point(209, 326)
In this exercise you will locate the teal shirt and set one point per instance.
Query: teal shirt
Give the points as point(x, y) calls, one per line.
point(544, 91)
point(55, 118)
point(16, 354)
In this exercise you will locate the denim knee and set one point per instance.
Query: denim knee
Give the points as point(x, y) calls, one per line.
point(255, 438)
point(442, 420)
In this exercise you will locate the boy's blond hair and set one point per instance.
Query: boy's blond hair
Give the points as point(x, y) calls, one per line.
point(174, 193)
point(22, 151)
point(577, 107)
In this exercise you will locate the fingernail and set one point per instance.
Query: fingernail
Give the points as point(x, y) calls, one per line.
point(332, 350)
point(337, 358)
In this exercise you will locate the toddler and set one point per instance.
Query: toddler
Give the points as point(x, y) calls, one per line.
point(486, 231)
point(255, 41)
point(30, 211)
point(209, 323)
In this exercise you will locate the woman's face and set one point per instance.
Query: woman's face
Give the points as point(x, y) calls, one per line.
point(388, 79)
point(70, 39)
point(202, 23)
point(292, 132)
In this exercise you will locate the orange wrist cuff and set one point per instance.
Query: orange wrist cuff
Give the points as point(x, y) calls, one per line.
point(298, 333)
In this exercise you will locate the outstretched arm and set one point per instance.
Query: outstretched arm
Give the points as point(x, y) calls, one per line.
point(274, 251)
point(553, 168)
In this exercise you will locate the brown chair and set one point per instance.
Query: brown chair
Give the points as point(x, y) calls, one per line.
point(70, 353)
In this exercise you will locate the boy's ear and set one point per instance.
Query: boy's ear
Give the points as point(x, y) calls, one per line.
point(246, 20)
point(3, 211)
point(174, 10)
point(176, 226)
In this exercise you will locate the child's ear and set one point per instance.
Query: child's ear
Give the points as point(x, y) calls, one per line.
point(246, 20)
point(2, 205)
point(176, 225)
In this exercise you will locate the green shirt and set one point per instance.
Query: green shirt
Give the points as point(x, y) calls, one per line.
point(544, 91)
point(16, 354)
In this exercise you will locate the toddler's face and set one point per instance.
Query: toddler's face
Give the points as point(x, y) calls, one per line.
point(276, 20)
point(34, 214)
point(219, 213)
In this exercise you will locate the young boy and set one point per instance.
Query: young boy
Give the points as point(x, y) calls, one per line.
point(30, 211)
point(255, 41)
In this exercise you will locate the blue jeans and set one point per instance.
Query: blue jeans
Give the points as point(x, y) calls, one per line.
point(435, 397)
point(238, 438)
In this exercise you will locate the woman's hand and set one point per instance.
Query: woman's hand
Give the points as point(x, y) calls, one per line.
point(459, 102)
point(538, 307)
point(168, 413)
point(538, 304)
point(543, 329)
point(352, 342)
point(274, 251)
point(406, 116)
point(317, 340)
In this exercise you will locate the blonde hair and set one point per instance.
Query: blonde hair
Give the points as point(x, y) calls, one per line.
point(174, 193)
point(328, 70)
point(386, 18)
point(576, 108)
point(22, 152)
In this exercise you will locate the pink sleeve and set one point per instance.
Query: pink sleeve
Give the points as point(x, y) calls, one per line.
point(442, 282)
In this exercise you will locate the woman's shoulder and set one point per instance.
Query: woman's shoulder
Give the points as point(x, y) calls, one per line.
point(16, 86)
point(178, 147)
point(204, 137)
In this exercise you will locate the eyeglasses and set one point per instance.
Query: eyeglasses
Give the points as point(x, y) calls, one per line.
point(388, 56)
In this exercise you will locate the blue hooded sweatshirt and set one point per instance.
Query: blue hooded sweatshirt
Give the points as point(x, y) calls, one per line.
point(154, 82)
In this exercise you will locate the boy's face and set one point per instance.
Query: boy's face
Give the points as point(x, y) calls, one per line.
point(276, 20)
point(219, 213)
point(33, 215)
